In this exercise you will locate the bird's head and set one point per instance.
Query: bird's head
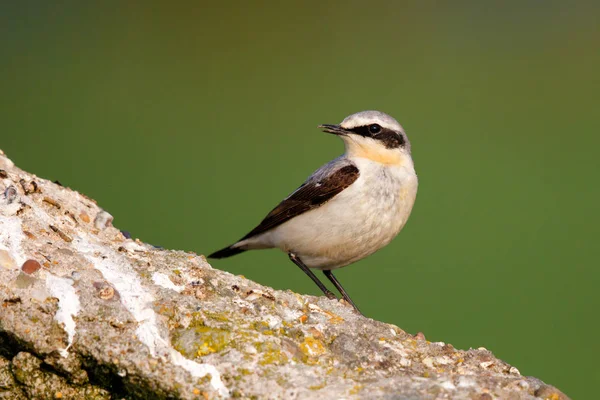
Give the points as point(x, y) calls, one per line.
point(373, 135)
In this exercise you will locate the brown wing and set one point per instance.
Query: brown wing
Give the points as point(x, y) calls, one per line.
point(311, 195)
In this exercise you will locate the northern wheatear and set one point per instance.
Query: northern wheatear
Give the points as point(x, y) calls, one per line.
point(347, 209)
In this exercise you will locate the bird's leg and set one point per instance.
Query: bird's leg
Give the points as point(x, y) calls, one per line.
point(339, 287)
point(312, 276)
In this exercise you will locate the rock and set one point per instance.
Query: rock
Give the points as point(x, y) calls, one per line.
point(30, 267)
point(6, 260)
point(111, 317)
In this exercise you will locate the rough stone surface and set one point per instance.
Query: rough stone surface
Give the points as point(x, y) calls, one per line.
point(110, 317)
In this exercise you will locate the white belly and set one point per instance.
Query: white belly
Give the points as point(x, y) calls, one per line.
point(354, 224)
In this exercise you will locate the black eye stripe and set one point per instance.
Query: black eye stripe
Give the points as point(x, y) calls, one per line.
point(391, 139)
point(362, 131)
point(388, 137)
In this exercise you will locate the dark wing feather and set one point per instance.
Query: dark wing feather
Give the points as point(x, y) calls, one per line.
point(310, 195)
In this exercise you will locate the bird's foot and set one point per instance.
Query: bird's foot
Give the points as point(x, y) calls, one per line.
point(348, 304)
point(330, 295)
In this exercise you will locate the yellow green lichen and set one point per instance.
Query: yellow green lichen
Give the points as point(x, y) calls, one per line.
point(356, 389)
point(219, 317)
point(319, 386)
point(281, 381)
point(205, 380)
point(211, 340)
point(270, 353)
point(204, 340)
point(260, 326)
point(312, 347)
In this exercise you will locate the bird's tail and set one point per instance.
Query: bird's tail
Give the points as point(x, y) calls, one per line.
point(227, 252)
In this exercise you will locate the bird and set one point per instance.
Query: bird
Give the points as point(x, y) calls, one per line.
point(347, 209)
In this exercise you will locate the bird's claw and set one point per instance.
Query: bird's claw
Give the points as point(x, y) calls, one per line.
point(331, 296)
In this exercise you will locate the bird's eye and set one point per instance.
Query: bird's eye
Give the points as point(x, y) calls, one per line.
point(374, 128)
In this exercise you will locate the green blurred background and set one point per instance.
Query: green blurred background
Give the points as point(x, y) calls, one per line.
point(188, 122)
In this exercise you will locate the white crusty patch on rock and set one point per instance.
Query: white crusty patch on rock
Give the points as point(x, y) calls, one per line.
point(68, 305)
point(198, 370)
point(132, 245)
point(117, 270)
point(163, 280)
point(41, 215)
point(273, 321)
point(11, 238)
point(448, 385)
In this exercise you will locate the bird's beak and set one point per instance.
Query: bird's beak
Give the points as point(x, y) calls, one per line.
point(335, 129)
